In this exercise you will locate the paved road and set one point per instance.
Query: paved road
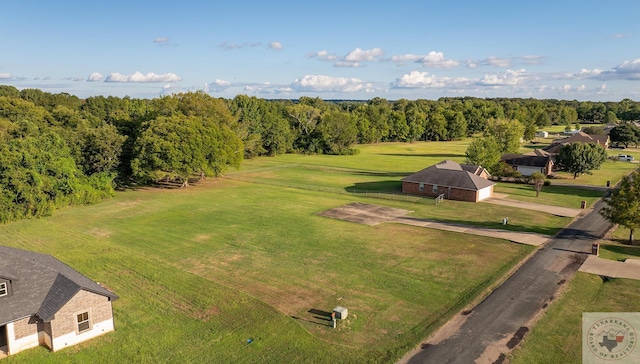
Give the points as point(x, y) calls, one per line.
point(497, 324)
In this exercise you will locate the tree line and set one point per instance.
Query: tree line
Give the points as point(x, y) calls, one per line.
point(58, 149)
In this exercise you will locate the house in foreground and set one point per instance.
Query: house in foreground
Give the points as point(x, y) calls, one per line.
point(45, 302)
point(455, 181)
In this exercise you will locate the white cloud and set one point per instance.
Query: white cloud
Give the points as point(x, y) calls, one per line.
point(347, 64)
point(531, 59)
point(602, 89)
point(401, 59)
point(320, 83)
point(508, 78)
point(275, 46)
point(357, 56)
point(228, 46)
point(161, 40)
point(322, 56)
point(566, 88)
point(498, 62)
point(5, 76)
point(217, 85)
point(416, 79)
point(581, 88)
point(95, 77)
point(437, 60)
point(142, 78)
point(361, 55)
point(628, 70)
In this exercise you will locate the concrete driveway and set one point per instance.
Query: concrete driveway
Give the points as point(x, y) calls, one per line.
point(369, 214)
point(611, 268)
point(501, 199)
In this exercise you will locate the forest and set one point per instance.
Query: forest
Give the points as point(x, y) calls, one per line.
point(58, 150)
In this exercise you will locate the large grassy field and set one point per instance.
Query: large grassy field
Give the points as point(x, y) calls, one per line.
point(199, 271)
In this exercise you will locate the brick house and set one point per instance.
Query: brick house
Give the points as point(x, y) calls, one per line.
point(535, 161)
point(461, 182)
point(45, 302)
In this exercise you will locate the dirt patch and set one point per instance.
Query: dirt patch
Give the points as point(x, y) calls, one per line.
point(363, 213)
point(100, 233)
point(206, 315)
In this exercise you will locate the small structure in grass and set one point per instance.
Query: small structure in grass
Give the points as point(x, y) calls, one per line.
point(340, 312)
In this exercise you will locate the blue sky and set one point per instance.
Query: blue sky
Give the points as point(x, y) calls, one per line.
point(584, 50)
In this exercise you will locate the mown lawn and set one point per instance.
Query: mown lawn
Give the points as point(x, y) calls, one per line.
point(200, 271)
point(565, 196)
point(616, 247)
point(557, 336)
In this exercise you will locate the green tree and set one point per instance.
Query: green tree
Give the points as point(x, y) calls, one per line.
point(101, 150)
point(339, 132)
point(593, 130)
point(179, 146)
point(537, 180)
point(483, 152)
point(507, 132)
point(623, 207)
point(456, 125)
point(624, 134)
point(580, 158)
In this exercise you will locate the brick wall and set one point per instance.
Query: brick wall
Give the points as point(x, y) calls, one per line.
point(450, 194)
point(25, 327)
point(65, 321)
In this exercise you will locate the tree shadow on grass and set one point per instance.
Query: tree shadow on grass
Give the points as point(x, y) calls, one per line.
point(391, 187)
point(623, 250)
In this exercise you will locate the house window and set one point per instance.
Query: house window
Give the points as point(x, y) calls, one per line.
point(421, 188)
point(3, 289)
point(83, 322)
point(435, 188)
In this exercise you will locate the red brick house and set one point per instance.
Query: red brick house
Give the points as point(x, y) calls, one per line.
point(44, 302)
point(455, 181)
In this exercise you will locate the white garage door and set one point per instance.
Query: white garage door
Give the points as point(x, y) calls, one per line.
point(485, 193)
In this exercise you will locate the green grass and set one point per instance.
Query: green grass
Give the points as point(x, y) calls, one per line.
point(201, 270)
point(557, 336)
point(616, 248)
point(564, 196)
point(612, 171)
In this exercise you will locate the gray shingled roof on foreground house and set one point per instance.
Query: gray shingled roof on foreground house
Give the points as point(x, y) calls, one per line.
point(40, 285)
point(450, 174)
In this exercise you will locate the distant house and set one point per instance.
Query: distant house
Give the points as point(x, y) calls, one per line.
point(45, 302)
point(535, 161)
point(579, 137)
point(461, 182)
point(542, 134)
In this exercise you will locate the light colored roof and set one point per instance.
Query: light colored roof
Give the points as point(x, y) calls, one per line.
point(40, 284)
point(450, 174)
point(538, 153)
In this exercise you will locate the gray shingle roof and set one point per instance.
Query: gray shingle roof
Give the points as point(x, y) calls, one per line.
point(449, 174)
point(40, 284)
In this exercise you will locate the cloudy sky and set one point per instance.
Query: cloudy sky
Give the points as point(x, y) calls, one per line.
point(584, 50)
